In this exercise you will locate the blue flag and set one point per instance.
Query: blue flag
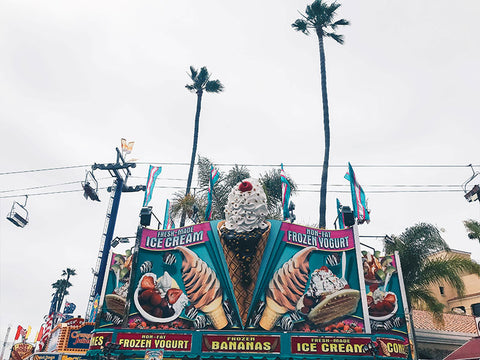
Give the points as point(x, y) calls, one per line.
point(153, 172)
point(69, 308)
point(359, 200)
point(214, 175)
point(286, 190)
point(341, 223)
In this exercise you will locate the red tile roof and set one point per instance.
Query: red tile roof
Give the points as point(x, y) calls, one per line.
point(470, 350)
point(452, 322)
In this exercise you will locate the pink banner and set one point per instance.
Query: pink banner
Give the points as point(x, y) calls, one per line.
point(325, 240)
point(170, 239)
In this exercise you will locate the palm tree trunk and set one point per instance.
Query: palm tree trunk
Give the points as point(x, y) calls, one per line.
point(326, 130)
point(194, 150)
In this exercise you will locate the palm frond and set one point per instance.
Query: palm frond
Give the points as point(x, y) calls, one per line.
point(301, 25)
point(202, 77)
point(338, 38)
point(339, 23)
point(214, 86)
point(422, 296)
point(190, 87)
point(193, 73)
point(473, 228)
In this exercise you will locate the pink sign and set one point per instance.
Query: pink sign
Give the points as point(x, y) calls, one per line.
point(170, 239)
point(325, 240)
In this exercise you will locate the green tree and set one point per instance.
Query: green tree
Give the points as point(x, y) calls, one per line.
point(320, 16)
point(416, 245)
point(201, 82)
point(184, 206)
point(61, 287)
point(473, 229)
point(270, 181)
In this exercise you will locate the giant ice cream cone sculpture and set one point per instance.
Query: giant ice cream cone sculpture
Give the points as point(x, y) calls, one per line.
point(244, 234)
point(286, 288)
point(203, 288)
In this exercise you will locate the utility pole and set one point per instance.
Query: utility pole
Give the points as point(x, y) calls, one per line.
point(5, 342)
point(120, 171)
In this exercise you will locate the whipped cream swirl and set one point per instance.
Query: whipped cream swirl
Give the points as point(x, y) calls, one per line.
point(246, 210)
point(324, 281)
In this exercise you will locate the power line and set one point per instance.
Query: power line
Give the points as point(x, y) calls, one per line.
point(46, 169)
point(299, 191)
point(321, 165)
point(259, 165)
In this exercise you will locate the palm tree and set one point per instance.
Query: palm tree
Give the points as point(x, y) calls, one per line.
point(416, 245)
point(201, 82)
point(270, 182)
point(61, 287)
point(473, 228)
point(321, 17)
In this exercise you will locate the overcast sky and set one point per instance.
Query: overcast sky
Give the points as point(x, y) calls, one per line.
point(76, 77)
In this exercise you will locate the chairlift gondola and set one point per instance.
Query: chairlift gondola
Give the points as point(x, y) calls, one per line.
point(474, 193)
point(18, 214)
point(90, 187)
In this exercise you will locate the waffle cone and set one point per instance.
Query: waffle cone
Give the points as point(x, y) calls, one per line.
point(115, 303)
point(243, 295)
point(338, 304)
point(216, 314)
point(271, 314)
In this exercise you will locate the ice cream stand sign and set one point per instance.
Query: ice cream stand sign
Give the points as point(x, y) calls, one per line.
point(251, 288)
point(181, 282)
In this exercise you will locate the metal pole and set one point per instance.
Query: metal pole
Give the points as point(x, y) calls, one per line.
point(109, 236)
point(5, 342)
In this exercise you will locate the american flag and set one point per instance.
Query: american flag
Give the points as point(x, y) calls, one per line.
point(47, 327)
point(69, 307)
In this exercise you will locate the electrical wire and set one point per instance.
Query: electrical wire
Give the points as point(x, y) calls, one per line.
point(321, 165)
point(298, 190)
point(46, 169)
point(260, 165)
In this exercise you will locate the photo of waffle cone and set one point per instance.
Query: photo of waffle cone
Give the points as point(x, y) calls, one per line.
point(328, 297)
point(334, 306)
point(115, 303)
point(202, 287)
point(286, 288)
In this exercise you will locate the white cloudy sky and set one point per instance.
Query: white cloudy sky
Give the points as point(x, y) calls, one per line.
point(75, 77)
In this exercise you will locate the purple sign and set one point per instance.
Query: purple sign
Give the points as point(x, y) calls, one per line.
point(325, 240)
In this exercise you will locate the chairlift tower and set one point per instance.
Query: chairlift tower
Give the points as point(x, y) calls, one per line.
point(120, 171)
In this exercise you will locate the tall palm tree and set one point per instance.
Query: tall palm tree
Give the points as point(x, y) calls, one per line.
point(201, 82)
point(416, 245)
point(61, 286)
point(61, 289)
point(320, 16)
point(473, 228)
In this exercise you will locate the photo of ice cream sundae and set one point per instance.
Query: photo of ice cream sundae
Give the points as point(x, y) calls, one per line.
point(159, 300)
point(382, 305)
point(376, 269)
point(328, 297)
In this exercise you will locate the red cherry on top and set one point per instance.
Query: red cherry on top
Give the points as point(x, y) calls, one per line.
point(245, 186)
